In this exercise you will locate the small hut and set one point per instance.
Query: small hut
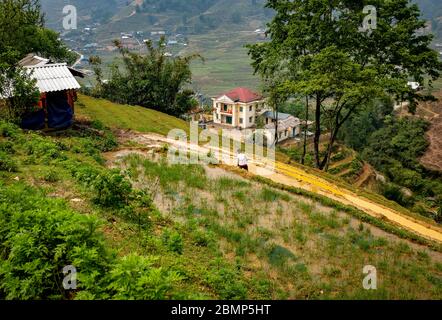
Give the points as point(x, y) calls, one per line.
point(58, 92)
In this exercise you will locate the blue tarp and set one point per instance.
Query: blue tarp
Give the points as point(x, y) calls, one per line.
point(60, 113)
point(34, 120)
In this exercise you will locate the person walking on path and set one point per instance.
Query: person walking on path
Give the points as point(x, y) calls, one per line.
point(242, 160)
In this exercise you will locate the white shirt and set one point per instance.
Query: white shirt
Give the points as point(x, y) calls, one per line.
point(242, 159)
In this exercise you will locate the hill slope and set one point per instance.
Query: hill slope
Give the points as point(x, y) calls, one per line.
point(195, 17)
point(186, 232)
point(128, 117)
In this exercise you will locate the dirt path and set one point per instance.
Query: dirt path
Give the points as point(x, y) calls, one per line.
point(296, 177)
point(367, 172)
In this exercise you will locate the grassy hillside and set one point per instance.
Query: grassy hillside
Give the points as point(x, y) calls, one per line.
point(150, 230)
point(187, 231)
point(128, 117)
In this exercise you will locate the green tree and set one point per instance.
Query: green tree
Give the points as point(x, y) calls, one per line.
point(325, 55)
point(153, 80)
point(364, 122)
point(18, 94)
point(22, 31)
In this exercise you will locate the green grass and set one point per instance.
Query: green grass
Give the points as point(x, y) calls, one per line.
point(276, 245)
point(135, 118)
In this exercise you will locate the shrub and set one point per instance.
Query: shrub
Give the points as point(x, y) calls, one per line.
point(7, 146)
point(202, 238)
point(394, 192)
point(135, 277)
point(226, 282)
point(43, 149)
point(279, 255)
point(40, 236)
point(110, 189)
point(7, 163)
point(51, 175)
point(8, 130)
point(173, 241)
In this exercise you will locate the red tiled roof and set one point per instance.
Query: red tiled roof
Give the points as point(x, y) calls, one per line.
point(242, 95)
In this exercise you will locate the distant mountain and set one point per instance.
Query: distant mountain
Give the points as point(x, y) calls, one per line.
point(185, 16)
point(89, 11)
point(432, 11)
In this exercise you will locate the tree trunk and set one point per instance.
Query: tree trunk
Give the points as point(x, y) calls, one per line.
point(275, 108)
point(317, 130)
point(305, 131)
point(326, 161)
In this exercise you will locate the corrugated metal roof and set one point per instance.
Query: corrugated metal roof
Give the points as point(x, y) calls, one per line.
point(272, 115)
point(33, 60)
point(290, 122)
point(53, 77)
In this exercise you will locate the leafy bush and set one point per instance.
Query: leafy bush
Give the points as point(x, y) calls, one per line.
point(7, 146)
point(8, 130)
point(394, 192)
point(43, 149)
point(173, 241)
point(279, 255)
point(202, 238)
point(111, 189)
point(134, 277)
point(40, 236)
point(270, 195)
point(226, 282)
point(7, 163)
point(51, 175)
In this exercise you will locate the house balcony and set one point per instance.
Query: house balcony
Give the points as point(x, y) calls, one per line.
point(228, 112)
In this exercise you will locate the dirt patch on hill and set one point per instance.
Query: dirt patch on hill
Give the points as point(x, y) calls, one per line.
point(432, 112)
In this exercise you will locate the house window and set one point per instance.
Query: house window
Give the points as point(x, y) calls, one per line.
point(286, 132)
point(280, 135)
point(251, 119)
point(250, 108)
point(240, 109)
point(225, 107)
point(241, 120)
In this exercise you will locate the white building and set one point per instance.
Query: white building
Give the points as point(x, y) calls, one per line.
point(288, 125)
point(238, 108)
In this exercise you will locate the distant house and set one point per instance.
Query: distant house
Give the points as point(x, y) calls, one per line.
point(288, 125)
point(240, 108)
point(237, 108)
point(58, 86)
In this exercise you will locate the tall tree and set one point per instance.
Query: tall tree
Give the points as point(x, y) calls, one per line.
point(22, 31)
point(154, 80)
point(341, 66)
